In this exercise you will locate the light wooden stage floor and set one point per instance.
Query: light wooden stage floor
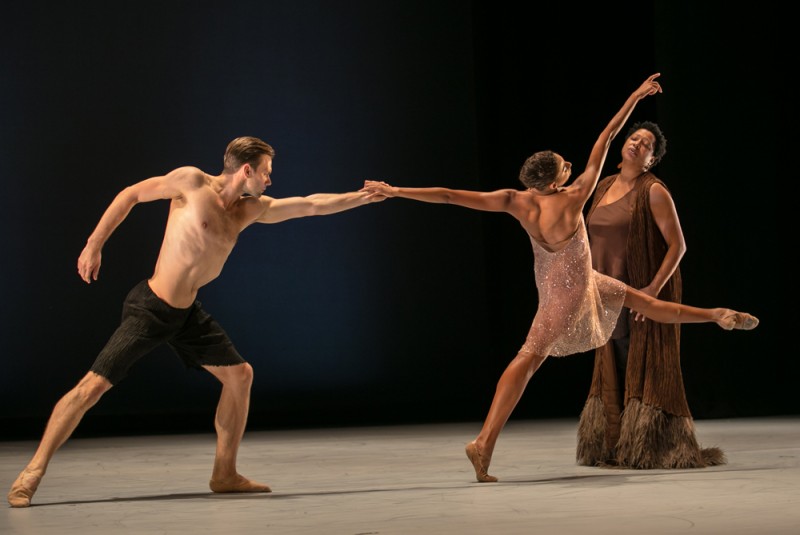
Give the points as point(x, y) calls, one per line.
point(410, 480)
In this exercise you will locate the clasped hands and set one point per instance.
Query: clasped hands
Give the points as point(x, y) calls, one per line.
point(377, 189)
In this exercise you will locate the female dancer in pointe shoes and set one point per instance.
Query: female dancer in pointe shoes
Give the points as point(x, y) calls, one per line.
point(578, 307)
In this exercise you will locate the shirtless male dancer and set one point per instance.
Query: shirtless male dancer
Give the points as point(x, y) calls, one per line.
point(577, 306)
point(206, 215)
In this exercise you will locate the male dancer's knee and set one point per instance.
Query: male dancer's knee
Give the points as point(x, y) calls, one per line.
point(243, 375)
point(90, 389)
point(237, 376)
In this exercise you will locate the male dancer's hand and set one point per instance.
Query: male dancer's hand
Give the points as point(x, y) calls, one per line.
point(89, 264)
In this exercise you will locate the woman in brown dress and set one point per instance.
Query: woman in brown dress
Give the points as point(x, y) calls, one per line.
point(636, 415)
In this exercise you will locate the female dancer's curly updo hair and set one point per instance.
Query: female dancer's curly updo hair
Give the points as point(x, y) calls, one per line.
point(539, 170)
point(660, 147)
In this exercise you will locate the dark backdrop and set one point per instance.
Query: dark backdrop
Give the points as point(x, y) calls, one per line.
point(397, 312)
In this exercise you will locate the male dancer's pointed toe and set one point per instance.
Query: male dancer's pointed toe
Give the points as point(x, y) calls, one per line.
point(23, 489)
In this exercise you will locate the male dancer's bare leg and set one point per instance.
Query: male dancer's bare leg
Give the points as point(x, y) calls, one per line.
point(66, 416)
point(508, 393)
point(230, 422)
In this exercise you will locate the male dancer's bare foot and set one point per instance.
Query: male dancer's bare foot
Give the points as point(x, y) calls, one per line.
point(238, 483)
point(737, 320)
point(23, 489)
point(475, 457)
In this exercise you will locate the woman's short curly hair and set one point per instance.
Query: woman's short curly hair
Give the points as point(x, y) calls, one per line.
point(660, 147)
point(539, 170)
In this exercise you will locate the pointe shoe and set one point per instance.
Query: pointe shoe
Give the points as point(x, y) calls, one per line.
point(475, 457)
point(240, 484)
point(740, 320)
point(23, 489)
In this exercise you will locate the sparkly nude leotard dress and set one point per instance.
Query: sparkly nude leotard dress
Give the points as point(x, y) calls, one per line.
point(578, 307)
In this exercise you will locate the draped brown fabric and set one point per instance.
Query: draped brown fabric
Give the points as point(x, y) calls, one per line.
point(653, 428)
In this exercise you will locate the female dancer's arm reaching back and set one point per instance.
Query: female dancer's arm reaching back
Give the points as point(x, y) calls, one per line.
point(548, 218)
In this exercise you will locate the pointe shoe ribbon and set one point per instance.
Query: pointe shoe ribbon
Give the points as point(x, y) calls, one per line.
point(475, 457)
point(23, 489)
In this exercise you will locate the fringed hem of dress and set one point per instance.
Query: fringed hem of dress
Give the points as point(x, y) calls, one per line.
point(649, 439)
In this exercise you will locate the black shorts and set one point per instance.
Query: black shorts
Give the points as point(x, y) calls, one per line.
point(148, 322)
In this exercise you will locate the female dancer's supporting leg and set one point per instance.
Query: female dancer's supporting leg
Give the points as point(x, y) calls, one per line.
point(515, 378)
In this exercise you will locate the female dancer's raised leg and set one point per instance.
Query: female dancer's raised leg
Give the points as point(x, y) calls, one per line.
point(669, 312)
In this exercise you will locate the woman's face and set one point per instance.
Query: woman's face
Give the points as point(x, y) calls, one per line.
point(638, 148)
